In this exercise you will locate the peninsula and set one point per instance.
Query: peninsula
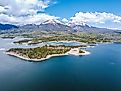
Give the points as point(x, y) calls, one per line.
point(45, 52)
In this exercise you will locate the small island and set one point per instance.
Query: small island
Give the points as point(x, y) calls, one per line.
point(45, 52)
point(24, 41)
point(8, 37)
point(28, 41)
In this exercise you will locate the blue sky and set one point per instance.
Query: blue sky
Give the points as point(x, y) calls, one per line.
point(99, 13)
point(67, 8)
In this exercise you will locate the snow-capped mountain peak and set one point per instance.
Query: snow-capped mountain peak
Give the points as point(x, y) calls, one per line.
point(54, 22)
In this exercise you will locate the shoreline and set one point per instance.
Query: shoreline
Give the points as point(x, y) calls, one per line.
point(48, 56)
point(34, 60)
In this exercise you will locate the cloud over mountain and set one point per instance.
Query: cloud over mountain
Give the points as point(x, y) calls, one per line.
point(23, 7)
point(22, 20)
point(95, 18)
point(22, 12)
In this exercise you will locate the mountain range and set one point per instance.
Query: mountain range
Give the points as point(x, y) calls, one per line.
point(51, 25)
point(7, 26)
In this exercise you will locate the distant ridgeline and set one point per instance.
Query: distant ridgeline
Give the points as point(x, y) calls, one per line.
point(54, 26)
point(7, 26)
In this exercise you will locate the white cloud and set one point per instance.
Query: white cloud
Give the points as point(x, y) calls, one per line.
point(2, 9)
point(37, 19)
point(99, 18)
point(24, 11)
point(64, 20)
point(34, 19)
point(23, 7)
point(105, 20)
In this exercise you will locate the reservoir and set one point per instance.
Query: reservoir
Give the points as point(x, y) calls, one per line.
point(99, 71)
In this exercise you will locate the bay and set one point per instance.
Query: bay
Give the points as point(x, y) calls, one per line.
point(99, 71)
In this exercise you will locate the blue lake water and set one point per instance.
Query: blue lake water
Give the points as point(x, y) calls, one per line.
point(66, 43)
point(99, 71)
